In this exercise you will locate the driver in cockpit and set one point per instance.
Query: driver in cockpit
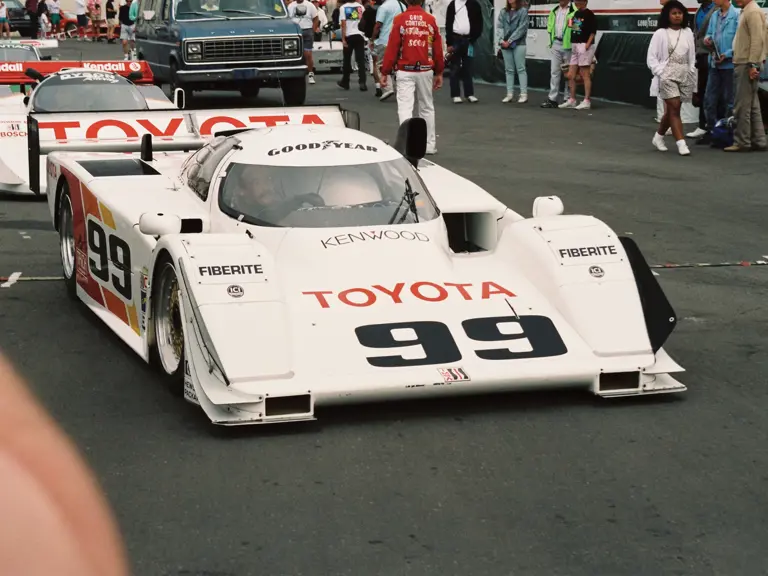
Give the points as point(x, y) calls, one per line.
point(257, 194)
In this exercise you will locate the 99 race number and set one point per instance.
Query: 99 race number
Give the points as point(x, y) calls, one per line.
point(438, 346)
point(103, 248)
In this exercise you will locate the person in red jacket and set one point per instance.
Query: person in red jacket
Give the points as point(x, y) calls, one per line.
point(415, 50)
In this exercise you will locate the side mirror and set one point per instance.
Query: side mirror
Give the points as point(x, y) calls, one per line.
point(49, 57)
point(26, 100)
point(179, 98)
point(411, 140)
point(159, 224)
point(547, 206)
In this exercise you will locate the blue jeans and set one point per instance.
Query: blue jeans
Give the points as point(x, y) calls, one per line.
point(718, 99)
point(514, 61)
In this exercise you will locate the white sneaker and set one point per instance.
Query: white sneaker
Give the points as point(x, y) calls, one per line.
point(568, 104)
point(523, 99)
point(432, 152)
point(668, 132)
point(696, 133)
point(658, 142)
point(457, 100)
point(126, 57)
point(472, 99)
point(311, 79)
point(508, 98)
point(387, 94)
point(682, 148)
point(585, 105)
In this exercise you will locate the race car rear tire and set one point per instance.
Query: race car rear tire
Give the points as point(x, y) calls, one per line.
point(168, 347)
point(66, 226)
point(294, 91)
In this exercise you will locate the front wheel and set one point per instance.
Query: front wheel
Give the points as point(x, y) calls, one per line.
point(67, 242)
point(294, 91)
point(168, 347)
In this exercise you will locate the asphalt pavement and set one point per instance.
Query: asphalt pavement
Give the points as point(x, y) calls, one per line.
point(525, 484)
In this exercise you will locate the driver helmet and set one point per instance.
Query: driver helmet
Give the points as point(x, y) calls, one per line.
point(347, 186)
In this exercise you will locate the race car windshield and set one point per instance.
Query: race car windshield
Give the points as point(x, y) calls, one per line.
point(326, 196)
point(17, 54)
point(218, 9)
point(87, 92)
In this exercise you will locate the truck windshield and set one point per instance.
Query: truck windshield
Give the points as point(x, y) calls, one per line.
point(196, 9)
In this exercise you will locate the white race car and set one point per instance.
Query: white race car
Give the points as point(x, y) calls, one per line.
point(274, 270)
point(64, 86)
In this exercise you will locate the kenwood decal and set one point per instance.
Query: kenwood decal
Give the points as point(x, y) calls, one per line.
point(325, 145)
point(373, 235)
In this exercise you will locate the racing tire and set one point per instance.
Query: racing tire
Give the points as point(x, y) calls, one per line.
point(66, 226)
point(294, 91)
point(168, 347)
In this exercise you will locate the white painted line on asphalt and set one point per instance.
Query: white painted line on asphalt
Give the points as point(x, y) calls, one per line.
point(25, 236)
point(11, 280)
point(655, 273)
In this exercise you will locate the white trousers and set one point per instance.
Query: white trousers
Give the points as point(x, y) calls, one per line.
point(414, 98)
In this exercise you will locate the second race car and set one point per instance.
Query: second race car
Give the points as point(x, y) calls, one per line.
point(63, 86)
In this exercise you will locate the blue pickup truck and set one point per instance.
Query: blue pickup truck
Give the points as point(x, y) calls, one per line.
point(240, 45)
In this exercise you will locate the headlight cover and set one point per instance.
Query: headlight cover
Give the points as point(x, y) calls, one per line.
point(291, 47)
point(194, 50)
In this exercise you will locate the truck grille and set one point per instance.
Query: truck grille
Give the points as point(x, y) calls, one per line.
point(242, 50)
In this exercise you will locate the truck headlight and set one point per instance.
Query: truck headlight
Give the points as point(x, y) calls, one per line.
point(194, 50)
point(291, 47)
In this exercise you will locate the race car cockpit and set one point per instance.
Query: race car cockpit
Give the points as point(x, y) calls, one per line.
point(87, 90)
point(376, 193)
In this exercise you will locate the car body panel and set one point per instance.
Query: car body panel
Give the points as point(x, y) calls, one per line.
point(279, 320)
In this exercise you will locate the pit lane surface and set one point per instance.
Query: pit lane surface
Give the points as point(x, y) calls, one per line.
point(524, 484)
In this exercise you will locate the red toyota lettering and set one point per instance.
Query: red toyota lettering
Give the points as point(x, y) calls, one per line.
point(270, 121)
point(424, 291)
point(394, 293)
point(92, 133)
point(206, 128)
point(490, 288)
point(442, 293)
point(320, 295)
point(370, 297)
point(462, 288)
point(312, 119)
point(170, 130)
point(59, 128)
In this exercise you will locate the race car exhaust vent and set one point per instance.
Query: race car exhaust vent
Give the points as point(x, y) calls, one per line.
point(619, 381)
point(287, 405)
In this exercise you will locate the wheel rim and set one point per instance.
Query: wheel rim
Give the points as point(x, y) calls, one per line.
point(169, 331)
point(67, 237)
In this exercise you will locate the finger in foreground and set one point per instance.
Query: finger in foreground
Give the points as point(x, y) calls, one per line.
point(55, 518)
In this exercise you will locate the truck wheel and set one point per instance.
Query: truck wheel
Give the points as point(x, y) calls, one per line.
point(294, 91)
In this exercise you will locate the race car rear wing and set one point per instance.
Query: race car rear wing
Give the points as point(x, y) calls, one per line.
point(14, 73)
point(170, 130)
